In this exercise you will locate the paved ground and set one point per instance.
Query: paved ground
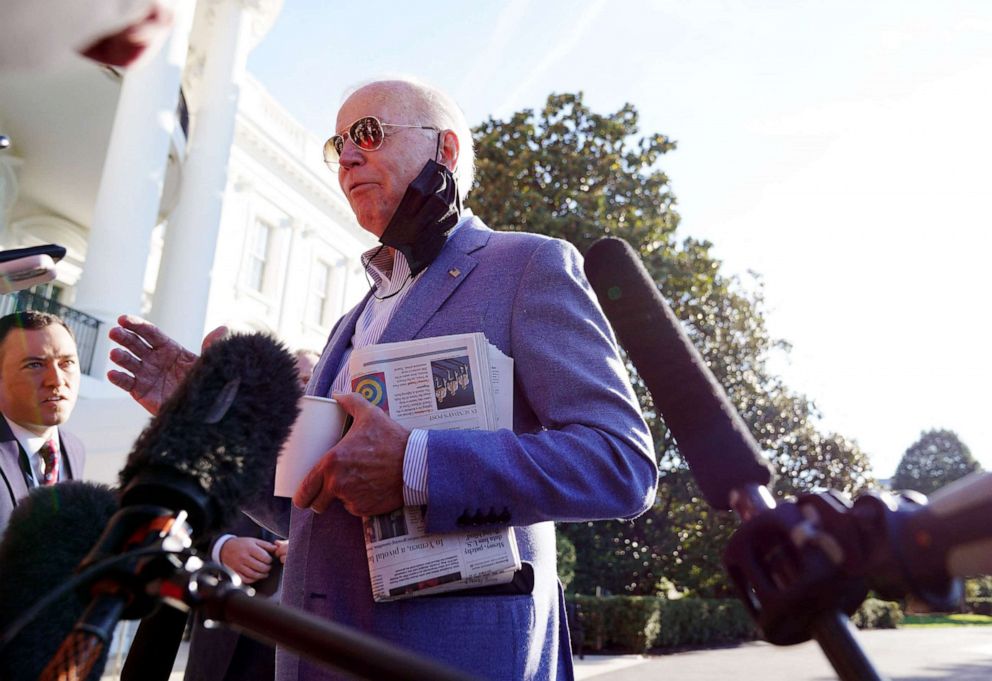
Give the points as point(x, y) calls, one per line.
point(958, 653)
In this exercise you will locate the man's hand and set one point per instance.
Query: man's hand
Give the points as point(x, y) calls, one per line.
point(364, 470)
point(251, 558)
point(155, 363)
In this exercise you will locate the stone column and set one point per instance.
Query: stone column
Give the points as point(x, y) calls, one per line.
point(229, 28)
point(127, 203)
point(9, 166)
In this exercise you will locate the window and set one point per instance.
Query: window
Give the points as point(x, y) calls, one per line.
point(319, 292)
point(258, 254)
point(52, 290)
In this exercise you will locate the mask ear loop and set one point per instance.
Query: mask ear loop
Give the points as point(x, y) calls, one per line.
point(365, 263)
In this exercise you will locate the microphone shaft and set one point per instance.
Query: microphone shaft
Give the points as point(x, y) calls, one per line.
point(953, 532)
point(319, 639)
point(710, 434)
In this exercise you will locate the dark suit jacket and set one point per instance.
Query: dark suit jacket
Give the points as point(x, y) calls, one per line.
point(13, 486)
point(214, 653)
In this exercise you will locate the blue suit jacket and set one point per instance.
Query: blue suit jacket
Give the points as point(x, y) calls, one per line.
point(579, 450)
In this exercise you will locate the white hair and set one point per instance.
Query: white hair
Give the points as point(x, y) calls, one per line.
point(440, 110)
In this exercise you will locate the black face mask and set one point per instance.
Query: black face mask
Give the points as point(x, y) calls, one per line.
point(430, 207)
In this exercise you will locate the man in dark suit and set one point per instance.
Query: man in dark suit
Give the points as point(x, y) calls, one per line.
point(39, 383)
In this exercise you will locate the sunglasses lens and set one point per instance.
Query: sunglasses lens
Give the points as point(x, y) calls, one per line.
point(332, 149)
point(366, 133)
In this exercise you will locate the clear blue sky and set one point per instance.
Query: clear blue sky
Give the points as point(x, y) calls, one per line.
point(840, 149)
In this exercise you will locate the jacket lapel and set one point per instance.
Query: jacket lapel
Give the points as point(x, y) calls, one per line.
point(10, 465)
point(73, 454)
point(445, 274)
point(330, 360)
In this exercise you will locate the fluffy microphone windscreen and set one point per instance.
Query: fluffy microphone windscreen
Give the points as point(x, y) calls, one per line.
point(221, 430)
point(49, 533)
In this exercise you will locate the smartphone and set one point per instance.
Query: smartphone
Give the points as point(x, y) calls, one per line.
point(54, 251)
point(22, 268)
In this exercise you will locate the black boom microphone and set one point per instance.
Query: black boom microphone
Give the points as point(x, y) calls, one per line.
point(710, 434)
point(211, 448)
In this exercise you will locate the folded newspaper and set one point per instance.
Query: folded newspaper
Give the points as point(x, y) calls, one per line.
point(448, 382)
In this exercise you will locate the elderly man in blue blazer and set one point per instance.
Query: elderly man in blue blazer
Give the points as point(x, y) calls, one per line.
point(578, 450)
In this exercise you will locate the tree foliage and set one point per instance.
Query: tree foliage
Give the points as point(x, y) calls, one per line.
point(569, 172)
point(936, 459)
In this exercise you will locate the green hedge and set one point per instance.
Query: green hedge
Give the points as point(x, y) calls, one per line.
point(979, 606)
point(877, 614)
point(704, 621)
point(637, 624)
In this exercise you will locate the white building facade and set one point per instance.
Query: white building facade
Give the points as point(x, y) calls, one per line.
point(230, 219)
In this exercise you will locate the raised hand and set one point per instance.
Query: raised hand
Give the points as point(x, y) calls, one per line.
point(154, 365)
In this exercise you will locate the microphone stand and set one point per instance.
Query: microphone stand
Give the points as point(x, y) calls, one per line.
point(213, 591)
point(801, 566)
point(778, 589)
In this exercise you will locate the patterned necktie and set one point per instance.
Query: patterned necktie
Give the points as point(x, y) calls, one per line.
point(49, 453)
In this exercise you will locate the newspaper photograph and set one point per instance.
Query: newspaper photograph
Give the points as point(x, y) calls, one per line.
point(448, 382)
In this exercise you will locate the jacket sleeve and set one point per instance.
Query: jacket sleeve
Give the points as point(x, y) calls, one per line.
point(592, 456)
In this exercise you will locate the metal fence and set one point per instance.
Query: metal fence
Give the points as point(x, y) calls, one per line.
point(84, 327)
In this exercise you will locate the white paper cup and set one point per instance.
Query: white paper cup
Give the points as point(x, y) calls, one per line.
point(317, 429)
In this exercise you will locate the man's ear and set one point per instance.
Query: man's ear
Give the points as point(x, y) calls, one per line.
point(449, 150)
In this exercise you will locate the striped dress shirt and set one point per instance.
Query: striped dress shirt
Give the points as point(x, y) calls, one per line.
point(390, 274)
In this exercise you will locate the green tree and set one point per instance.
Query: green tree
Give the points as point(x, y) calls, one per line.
point(936, 459)
point(566, 559)
point(569, 172)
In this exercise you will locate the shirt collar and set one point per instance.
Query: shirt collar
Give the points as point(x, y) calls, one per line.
point(387, 272)
point(30, 441)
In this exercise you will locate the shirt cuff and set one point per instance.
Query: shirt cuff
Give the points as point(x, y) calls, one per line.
point(415, 469)
point(218, 545)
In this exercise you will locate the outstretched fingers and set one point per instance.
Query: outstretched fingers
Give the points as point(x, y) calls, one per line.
point(125, 360)
point(129, 340)
point(144, 328)
point(123, 381)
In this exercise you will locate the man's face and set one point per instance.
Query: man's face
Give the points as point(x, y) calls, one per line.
point(305, 364)
point(374, 181)
point(39, 377)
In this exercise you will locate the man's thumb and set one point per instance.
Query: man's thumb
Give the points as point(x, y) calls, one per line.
point(220, 333)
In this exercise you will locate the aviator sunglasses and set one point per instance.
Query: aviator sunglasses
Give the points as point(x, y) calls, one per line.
point(367, 133)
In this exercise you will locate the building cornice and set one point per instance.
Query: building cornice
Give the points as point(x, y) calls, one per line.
point(265, 128)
